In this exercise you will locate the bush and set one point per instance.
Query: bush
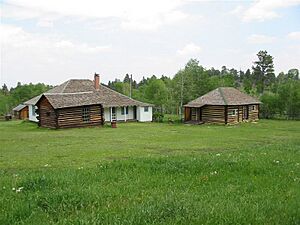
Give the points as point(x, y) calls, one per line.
point(158, 117)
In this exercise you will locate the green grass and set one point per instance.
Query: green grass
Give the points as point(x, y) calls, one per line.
point(152, 173)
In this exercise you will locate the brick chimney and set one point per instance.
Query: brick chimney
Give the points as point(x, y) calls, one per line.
point(96, 81)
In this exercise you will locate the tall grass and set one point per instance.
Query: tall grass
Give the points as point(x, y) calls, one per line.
point(151, 174)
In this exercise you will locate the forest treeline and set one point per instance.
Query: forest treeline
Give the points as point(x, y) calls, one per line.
point(279, 94)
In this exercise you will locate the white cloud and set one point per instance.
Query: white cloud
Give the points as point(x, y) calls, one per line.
point(34, 57)
point(45, 23)
point(262, 10)
point(294, 35)
point(133, 14)
point(15, 38)
point(189, 50)
point(237, 10)
point(261, 39)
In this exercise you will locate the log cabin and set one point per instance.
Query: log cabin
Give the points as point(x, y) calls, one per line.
point(224, 105)
point(21, 112)
point(80, 93)
point(69, 110)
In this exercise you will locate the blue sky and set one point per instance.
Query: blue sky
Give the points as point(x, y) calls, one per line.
point(52, 41)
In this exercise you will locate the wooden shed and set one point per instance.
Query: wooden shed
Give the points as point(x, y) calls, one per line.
point(225, 105)
point(69, 110)
point(21, 112)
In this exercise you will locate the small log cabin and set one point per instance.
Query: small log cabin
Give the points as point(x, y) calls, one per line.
point(69, 110)
point(21, 112)
point(224, 105)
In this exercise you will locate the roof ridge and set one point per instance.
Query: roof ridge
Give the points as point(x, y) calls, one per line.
point(69, 93)
point(62, 91)
point(123, 94)
point(222, 95)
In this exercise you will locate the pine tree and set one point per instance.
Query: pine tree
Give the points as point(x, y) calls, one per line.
point(263, 71)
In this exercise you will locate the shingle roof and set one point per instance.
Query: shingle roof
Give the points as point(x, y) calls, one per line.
point(33, 100)
point(72, 100)
point(76, 92)
point(223, 96)
point(19, 107)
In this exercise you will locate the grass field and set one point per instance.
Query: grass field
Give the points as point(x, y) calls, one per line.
point(151, 174)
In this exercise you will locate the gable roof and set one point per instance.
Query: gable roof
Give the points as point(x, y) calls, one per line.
point(76, 92)
point(223, 96)
point(19, 107)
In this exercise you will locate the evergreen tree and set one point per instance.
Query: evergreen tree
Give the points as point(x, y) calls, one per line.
point(263, 71)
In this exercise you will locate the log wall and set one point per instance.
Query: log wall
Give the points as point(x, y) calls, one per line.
point(239, 115)
point(224, 114)
point(68, 117)
point(24, 114)
point(253, 113)
point(72, 117)
point(47, 115)
point(213, 113)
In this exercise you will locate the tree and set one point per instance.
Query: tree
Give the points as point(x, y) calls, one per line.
point(263, 71)
point(126, 78)
point(5, 90)
point(293, 74)
point(247, 83)
point(156, 93)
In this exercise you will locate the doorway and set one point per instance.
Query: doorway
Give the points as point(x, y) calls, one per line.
point(134, 112)
point(245, 112)
point(113, 114)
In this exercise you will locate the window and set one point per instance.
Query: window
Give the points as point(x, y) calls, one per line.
point(146, 109)
point(232, 112)
point(33, 110)
point(123, 111)
point(86, 114)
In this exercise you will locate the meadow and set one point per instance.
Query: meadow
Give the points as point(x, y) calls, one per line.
point(151, 173)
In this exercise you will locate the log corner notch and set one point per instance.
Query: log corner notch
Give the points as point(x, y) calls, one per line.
point(226, 113)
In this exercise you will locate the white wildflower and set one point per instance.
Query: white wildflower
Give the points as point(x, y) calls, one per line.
point(19, 189)
point(80, 168)
point(13, 189)
point(218, 154)
point(213, 173)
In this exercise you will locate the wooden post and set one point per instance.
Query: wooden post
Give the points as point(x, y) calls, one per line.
point(125, 113)
point(110, 114)
point(226, 113)
point(238, 113)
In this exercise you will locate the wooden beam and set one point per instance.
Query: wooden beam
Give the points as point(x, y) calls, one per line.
point(226, 113)
point(125, 113)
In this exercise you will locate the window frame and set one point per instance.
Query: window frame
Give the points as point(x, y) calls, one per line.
point(33, 110)
point(233, 112)
point(146, 108)
point(85, 114)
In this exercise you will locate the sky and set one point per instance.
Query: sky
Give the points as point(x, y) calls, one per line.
point(56, 40)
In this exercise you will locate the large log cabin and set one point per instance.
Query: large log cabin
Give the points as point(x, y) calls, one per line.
point(224, 105)
point(83, 102)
